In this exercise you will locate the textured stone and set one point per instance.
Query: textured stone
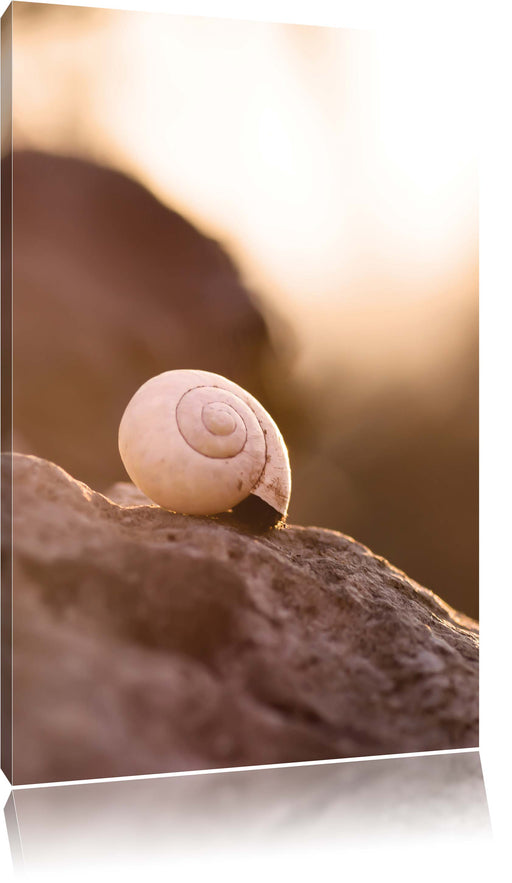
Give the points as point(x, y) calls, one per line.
point(146, 641)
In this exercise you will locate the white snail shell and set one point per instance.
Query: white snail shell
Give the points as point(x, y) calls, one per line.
point(195, 442)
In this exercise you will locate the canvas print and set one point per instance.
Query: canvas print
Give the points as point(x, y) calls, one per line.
point(239, 394)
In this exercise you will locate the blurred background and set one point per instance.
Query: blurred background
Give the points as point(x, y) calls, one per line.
point(294, 207)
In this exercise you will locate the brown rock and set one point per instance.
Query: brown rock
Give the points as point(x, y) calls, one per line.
point(110, 288)
point(146, 641)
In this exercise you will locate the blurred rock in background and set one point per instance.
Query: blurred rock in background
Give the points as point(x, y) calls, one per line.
point(111, 288)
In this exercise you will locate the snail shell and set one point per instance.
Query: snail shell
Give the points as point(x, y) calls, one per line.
point(195, 442)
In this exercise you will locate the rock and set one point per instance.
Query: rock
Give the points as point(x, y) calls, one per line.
point(147, 642)
point(111, 288)
point(126, 494)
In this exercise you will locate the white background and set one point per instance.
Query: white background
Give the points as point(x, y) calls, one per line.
point(489, 22)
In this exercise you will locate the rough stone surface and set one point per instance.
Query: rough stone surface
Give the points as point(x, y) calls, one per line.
point(146, 641)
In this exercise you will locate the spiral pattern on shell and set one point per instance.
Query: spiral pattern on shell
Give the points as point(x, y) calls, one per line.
point(195, 442)
point(215, 422)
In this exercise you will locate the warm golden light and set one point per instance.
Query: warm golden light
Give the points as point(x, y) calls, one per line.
point(338, 166)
